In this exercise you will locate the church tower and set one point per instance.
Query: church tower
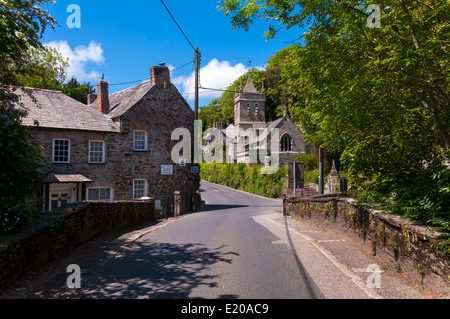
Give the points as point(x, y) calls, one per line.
point(249, 107)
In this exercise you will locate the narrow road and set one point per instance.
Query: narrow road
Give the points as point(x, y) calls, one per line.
point(219, 252)
point(239, 246)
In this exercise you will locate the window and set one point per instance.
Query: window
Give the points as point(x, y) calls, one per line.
point(286, 143)
point(139, 188)
point(61, 151)
point(96, 151)
point(99, 193)
point(139, 140)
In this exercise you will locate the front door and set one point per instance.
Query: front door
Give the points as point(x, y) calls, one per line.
point(58, 199)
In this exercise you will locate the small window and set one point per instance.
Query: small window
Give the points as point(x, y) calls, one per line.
point(139, 140)
point(99, 193)
point(139, 188)
point(61, 151)
point(286, 143)
point(96, 151)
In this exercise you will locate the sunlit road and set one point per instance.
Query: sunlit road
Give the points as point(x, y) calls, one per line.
point(237, 246)
point(219, 252)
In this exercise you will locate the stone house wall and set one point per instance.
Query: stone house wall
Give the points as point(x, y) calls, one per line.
point(159, 112)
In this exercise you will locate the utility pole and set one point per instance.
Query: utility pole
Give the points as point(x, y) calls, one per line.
point(196, 61)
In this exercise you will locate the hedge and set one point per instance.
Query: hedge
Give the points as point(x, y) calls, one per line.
point(249, 179)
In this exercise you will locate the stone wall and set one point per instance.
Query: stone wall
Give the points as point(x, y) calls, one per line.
point(63, 230)
point(407, 247)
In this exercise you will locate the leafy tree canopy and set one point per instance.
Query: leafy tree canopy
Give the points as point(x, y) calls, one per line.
point(380, 96)
point(22, 24)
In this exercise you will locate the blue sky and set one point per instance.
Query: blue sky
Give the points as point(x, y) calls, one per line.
point(123, 39)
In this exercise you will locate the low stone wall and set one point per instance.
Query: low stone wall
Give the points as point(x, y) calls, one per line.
point(63, 230)
point(407, 247)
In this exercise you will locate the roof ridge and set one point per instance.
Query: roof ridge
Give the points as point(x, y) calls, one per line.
point(131, 87)
point(36, 89)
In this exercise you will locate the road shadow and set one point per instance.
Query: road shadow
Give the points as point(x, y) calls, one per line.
point(310, 285)
point(154, 270)
point(214, 207)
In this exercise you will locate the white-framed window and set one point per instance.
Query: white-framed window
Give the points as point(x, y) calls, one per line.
point(99, 193)
point(96, 151)
point(139, 140)
point(139, 188)
point(61, 151)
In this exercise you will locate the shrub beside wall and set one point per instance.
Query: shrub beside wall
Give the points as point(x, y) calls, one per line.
point(50, 238)
point(248, 179)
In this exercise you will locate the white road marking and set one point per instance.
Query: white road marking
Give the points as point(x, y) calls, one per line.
point(330, 240)
point(347, 272)
point(365, 270)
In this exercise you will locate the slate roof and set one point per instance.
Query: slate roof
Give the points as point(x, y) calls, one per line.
point(54, 109)
point(121, 102)
point(64, 174)
point(66, 178)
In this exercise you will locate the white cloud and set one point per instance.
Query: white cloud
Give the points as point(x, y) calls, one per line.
point(79, 58)
point(216, 74)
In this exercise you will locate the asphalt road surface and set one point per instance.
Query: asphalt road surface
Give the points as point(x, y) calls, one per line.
point(239, 246)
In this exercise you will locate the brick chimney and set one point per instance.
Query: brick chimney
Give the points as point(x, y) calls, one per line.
point(91, 98)
point(102, 95)
point(160, 75)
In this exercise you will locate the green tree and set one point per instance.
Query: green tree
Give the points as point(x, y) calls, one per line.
point(378, 96)
point(45, 68)
point(76, 90)
point(22, 24)
point(276, 87)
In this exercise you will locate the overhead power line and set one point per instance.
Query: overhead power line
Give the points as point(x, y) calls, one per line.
point(196, 59)
point(146, 79)
point(183, 65)
point(212, 89)
point(177, 24)
point(135, 81)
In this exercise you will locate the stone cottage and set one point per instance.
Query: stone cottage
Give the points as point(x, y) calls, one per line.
point(118, 147)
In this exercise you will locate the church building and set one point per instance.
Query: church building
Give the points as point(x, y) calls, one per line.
point(249, 113)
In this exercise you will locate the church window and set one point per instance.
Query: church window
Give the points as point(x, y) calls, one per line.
point(286, 143)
